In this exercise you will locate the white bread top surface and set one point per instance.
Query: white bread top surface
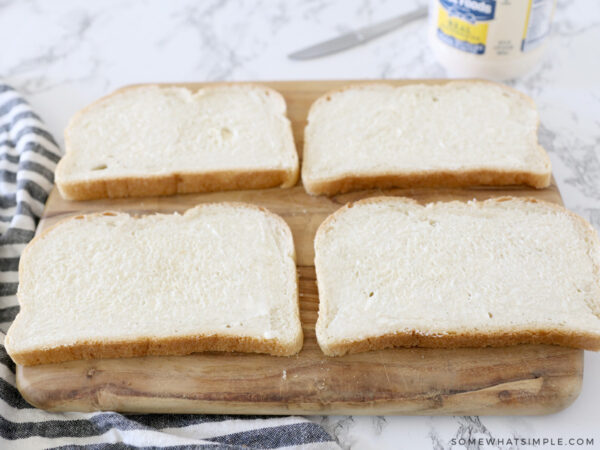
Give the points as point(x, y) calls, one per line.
point(456, 126)
point(387, 265)
point(151, 130)
point(217, 269)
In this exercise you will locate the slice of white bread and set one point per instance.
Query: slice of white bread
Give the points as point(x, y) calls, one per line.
point(220, 277)
point(153, 140)
point(495, 273)
point(458, 133)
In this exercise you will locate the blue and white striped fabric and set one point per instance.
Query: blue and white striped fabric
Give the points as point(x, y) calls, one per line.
point(28, 156)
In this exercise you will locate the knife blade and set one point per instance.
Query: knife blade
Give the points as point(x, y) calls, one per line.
point(357, 37)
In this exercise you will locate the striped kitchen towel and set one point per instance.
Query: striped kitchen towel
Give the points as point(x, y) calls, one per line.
point(28, 156)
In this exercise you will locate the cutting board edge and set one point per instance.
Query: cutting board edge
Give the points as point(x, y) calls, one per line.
point(555, 394)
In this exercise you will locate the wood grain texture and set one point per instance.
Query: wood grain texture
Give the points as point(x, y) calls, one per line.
point(526, 379)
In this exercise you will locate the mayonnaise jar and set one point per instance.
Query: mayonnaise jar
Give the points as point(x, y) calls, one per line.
point(495, 39)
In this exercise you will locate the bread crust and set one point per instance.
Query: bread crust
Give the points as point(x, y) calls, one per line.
point(412, 338)
point(447, 178)
point(482, 176)
point(174, 182)
point(152, 346)
point(148, 346)
point(457, 339)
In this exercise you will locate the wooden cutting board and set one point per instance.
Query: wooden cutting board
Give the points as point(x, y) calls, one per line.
point(527, 379)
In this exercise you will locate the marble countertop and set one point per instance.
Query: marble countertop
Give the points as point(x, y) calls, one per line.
point(64, 54)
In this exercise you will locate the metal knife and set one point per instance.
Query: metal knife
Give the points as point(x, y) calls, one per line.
point(357, 37)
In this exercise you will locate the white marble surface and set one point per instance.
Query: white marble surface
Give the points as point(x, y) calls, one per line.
point(64, 54)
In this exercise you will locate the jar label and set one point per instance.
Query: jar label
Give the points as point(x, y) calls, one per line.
point(462, 23)
point(537, 24)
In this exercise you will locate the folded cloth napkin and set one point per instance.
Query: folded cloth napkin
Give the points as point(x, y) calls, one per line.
point(28, 156)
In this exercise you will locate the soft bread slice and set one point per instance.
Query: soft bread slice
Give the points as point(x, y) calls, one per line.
point(495, 273)
point(153, 140)
point(220, 277)
point(458, 133)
